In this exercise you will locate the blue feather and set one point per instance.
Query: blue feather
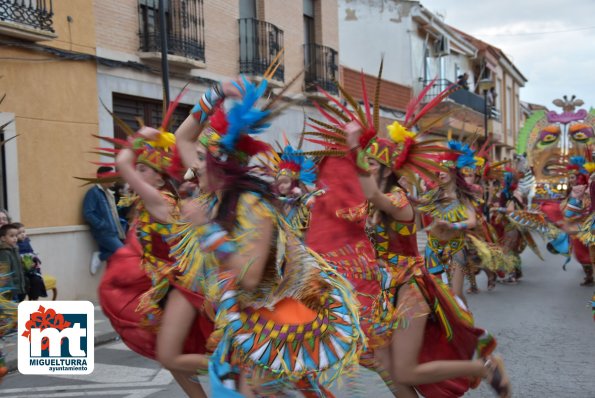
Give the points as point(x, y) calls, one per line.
point(580, 162)
point(466, 154)
point(244, 117)
point(307, 165)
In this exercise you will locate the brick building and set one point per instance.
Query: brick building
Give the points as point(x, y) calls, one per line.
point(67, 57)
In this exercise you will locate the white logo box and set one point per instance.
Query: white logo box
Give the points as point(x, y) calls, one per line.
point(79, 359)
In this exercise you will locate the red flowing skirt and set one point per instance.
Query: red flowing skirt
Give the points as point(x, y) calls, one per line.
point(437, 346)
point(120, 290)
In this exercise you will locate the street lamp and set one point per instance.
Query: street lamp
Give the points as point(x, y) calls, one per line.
point(164, 50)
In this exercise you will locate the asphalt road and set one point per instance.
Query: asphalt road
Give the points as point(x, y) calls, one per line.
point(544, 327)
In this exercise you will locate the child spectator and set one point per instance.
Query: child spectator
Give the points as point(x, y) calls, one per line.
point(9, 254)
point(31, 264)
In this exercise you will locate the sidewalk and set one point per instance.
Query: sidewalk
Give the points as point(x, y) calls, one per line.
point(103, 334)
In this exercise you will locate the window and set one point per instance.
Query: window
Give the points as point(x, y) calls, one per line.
point(185, 27)
point(36, 14)
point(129, 108)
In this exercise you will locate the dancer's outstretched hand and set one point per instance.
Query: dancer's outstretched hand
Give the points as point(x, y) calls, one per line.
point(353, 131)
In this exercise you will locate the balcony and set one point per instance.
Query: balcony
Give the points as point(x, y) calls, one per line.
point(185, 32)
point(260, 42)
point(321, 64)
point(461, 96)
point(27, 19)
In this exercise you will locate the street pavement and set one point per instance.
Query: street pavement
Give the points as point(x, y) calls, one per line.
point(544, 328)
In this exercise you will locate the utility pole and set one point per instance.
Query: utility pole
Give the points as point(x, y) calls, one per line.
point(485, 114)
point(164, 64)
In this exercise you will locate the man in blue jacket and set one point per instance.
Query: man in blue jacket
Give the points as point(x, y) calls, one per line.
point(101, 213)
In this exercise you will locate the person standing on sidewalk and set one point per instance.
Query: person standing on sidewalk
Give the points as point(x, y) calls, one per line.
point(101, 213)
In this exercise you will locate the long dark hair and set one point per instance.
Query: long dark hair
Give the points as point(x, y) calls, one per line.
point(391, 182)
point(237, 179)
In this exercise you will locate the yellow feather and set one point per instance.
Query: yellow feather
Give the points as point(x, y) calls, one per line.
point(398, 133)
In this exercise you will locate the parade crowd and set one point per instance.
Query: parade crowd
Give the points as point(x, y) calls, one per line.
point(277, 269)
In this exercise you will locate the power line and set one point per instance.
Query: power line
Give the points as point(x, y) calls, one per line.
point(538, 33)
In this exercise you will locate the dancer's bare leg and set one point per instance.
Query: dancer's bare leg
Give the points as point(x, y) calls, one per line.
point(384, 357)
point(192, 389)
point(176, 323)
point(407, 344)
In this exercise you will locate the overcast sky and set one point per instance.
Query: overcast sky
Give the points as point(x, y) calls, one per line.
point(554, 63)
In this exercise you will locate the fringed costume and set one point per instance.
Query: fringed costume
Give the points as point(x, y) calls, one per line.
point(301, 171)
point(299, 327)
point(140, 275)
point(442, 255)
point(8, 311)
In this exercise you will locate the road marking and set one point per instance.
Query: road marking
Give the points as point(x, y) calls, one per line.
point(162, 378)
point(123, 394)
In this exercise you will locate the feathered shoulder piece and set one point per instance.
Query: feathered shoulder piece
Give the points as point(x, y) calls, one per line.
point(403, 151)
point(160, 153)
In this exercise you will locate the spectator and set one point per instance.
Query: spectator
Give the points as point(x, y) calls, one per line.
point(9, 254)
point(101, 213)
point(31, 264)
point(4, 217)
point(463, 81)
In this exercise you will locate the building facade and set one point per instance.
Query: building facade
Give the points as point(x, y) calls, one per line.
point(45, 45)
point(419, 46)
point(73, 60)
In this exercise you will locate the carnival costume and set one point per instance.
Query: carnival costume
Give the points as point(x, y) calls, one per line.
point(8, 311)
point(332, 233)
point(299, 327)
point(394, 260)
point(301, 170)
point(139, 276)
point(442, 256)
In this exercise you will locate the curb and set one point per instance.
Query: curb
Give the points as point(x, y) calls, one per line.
point(12, 364)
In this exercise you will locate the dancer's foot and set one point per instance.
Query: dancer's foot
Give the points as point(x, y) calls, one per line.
point(497, 377)
point(492, 282)
point(473, 290)
point(511, 280)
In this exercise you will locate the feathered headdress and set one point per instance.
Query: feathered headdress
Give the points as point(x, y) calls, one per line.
point(230, 133)
point(402, 151)
point(160, 154)
point(464, 156)
point(576, 165)
point(294, 164)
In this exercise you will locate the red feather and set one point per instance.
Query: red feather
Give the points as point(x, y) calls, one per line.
point(435, 101)
point(176, 169)
point(368, 120)
point(251, 146)
point(412, 106)
point(327, 144)
point(327, 115)
point(341, 106)
point(172, 107)
point(219, 121)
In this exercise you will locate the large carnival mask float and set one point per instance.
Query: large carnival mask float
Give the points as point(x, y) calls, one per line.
point(549, 139)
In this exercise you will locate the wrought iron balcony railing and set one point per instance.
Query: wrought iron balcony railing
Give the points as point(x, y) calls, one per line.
point(36, 14)
point(185, 27)
point(260, 42)
point(461, 96)
point(321, 65)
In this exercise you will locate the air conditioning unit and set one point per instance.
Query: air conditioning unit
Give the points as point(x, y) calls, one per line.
point(441, 47)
